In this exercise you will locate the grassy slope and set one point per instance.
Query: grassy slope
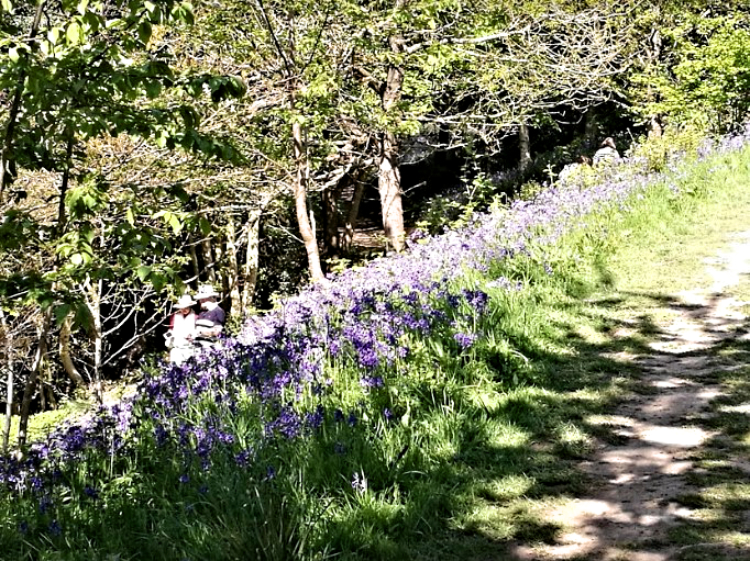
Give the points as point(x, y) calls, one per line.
point(490, 454)
point(658, 253)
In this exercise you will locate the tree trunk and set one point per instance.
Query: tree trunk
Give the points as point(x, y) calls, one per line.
point(65, 358)
point(221, 273)
point(8, 337)
point(655, 54)
point(194, 261)
point(233, 270)
point(351, 218)
point(94, 304)
point(591, 130)
point(30, 388)
point(31, 383)
point(389, 174)
point(300, 199)
point(208, 260)
point(331, 215)
point(250, 268)
point(389, 186)
point(524, 147)
point(7, 162)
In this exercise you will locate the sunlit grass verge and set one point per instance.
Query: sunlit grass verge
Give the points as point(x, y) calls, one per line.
point(442, 440)
point(720, 499)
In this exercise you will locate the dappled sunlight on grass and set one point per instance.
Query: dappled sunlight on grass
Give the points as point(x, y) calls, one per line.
point(458, 447)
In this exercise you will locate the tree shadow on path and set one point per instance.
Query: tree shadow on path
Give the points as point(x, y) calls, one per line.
point(610, 478)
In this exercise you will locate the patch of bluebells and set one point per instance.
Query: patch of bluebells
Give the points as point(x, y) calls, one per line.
point(363, 318)
point(465, 340)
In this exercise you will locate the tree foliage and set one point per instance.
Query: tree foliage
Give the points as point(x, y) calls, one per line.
point(145, 145)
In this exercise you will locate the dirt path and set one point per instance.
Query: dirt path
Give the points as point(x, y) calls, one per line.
point(632, 505)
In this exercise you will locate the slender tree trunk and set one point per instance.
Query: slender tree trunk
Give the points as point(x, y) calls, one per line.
point(65, 358)
point(233, 270)
point(655, 54)
point(331, 214)
point(65, 328)
point(31, 383)
point(50, 392)
point(300, 198)
point(208, 260)
point(6, 151)
point(351, 218)
point(389, 174)
point(524, 147)
point(194, 261)
point(9, 380)
point(221, 271)
point(95, 308)
point(252, 257)
point(389, 186)
point(591, 129)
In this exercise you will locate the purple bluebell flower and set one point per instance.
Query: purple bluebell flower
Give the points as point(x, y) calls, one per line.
point(243, 458)
point(54, 528)
point(270, 473)
point(45, 503)
point(466, 340)
point(314, 420)
point(371, 382)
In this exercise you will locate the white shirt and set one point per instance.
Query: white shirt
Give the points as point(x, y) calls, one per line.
point(606, 154)
point(183, 328)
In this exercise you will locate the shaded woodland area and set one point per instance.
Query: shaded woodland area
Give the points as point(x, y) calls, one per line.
point(148, 146)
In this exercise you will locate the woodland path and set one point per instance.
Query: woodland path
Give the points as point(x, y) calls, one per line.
point(633, 504)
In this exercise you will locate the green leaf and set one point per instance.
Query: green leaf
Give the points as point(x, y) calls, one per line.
point(83, 317)
point(7, 6)
point(153, 89)
point(204, 225)
point(53, 35)
point(144, 32)
point(143, 272)
point(13, 54)
point(74, 34)
point(175, 223)
point(158, 281)
point(61, 312)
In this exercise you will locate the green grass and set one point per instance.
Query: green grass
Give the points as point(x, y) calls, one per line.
point(720, 528)
point(661, 250)
point(41, 424)
point(494, 438)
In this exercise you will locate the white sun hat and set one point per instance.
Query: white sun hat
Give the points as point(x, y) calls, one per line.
point(206, 291)
point(184, 302)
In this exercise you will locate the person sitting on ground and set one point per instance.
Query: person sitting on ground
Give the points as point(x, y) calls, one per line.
point(570, 170)
point(608, 153)
point(210, 322)
point(182, 330)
